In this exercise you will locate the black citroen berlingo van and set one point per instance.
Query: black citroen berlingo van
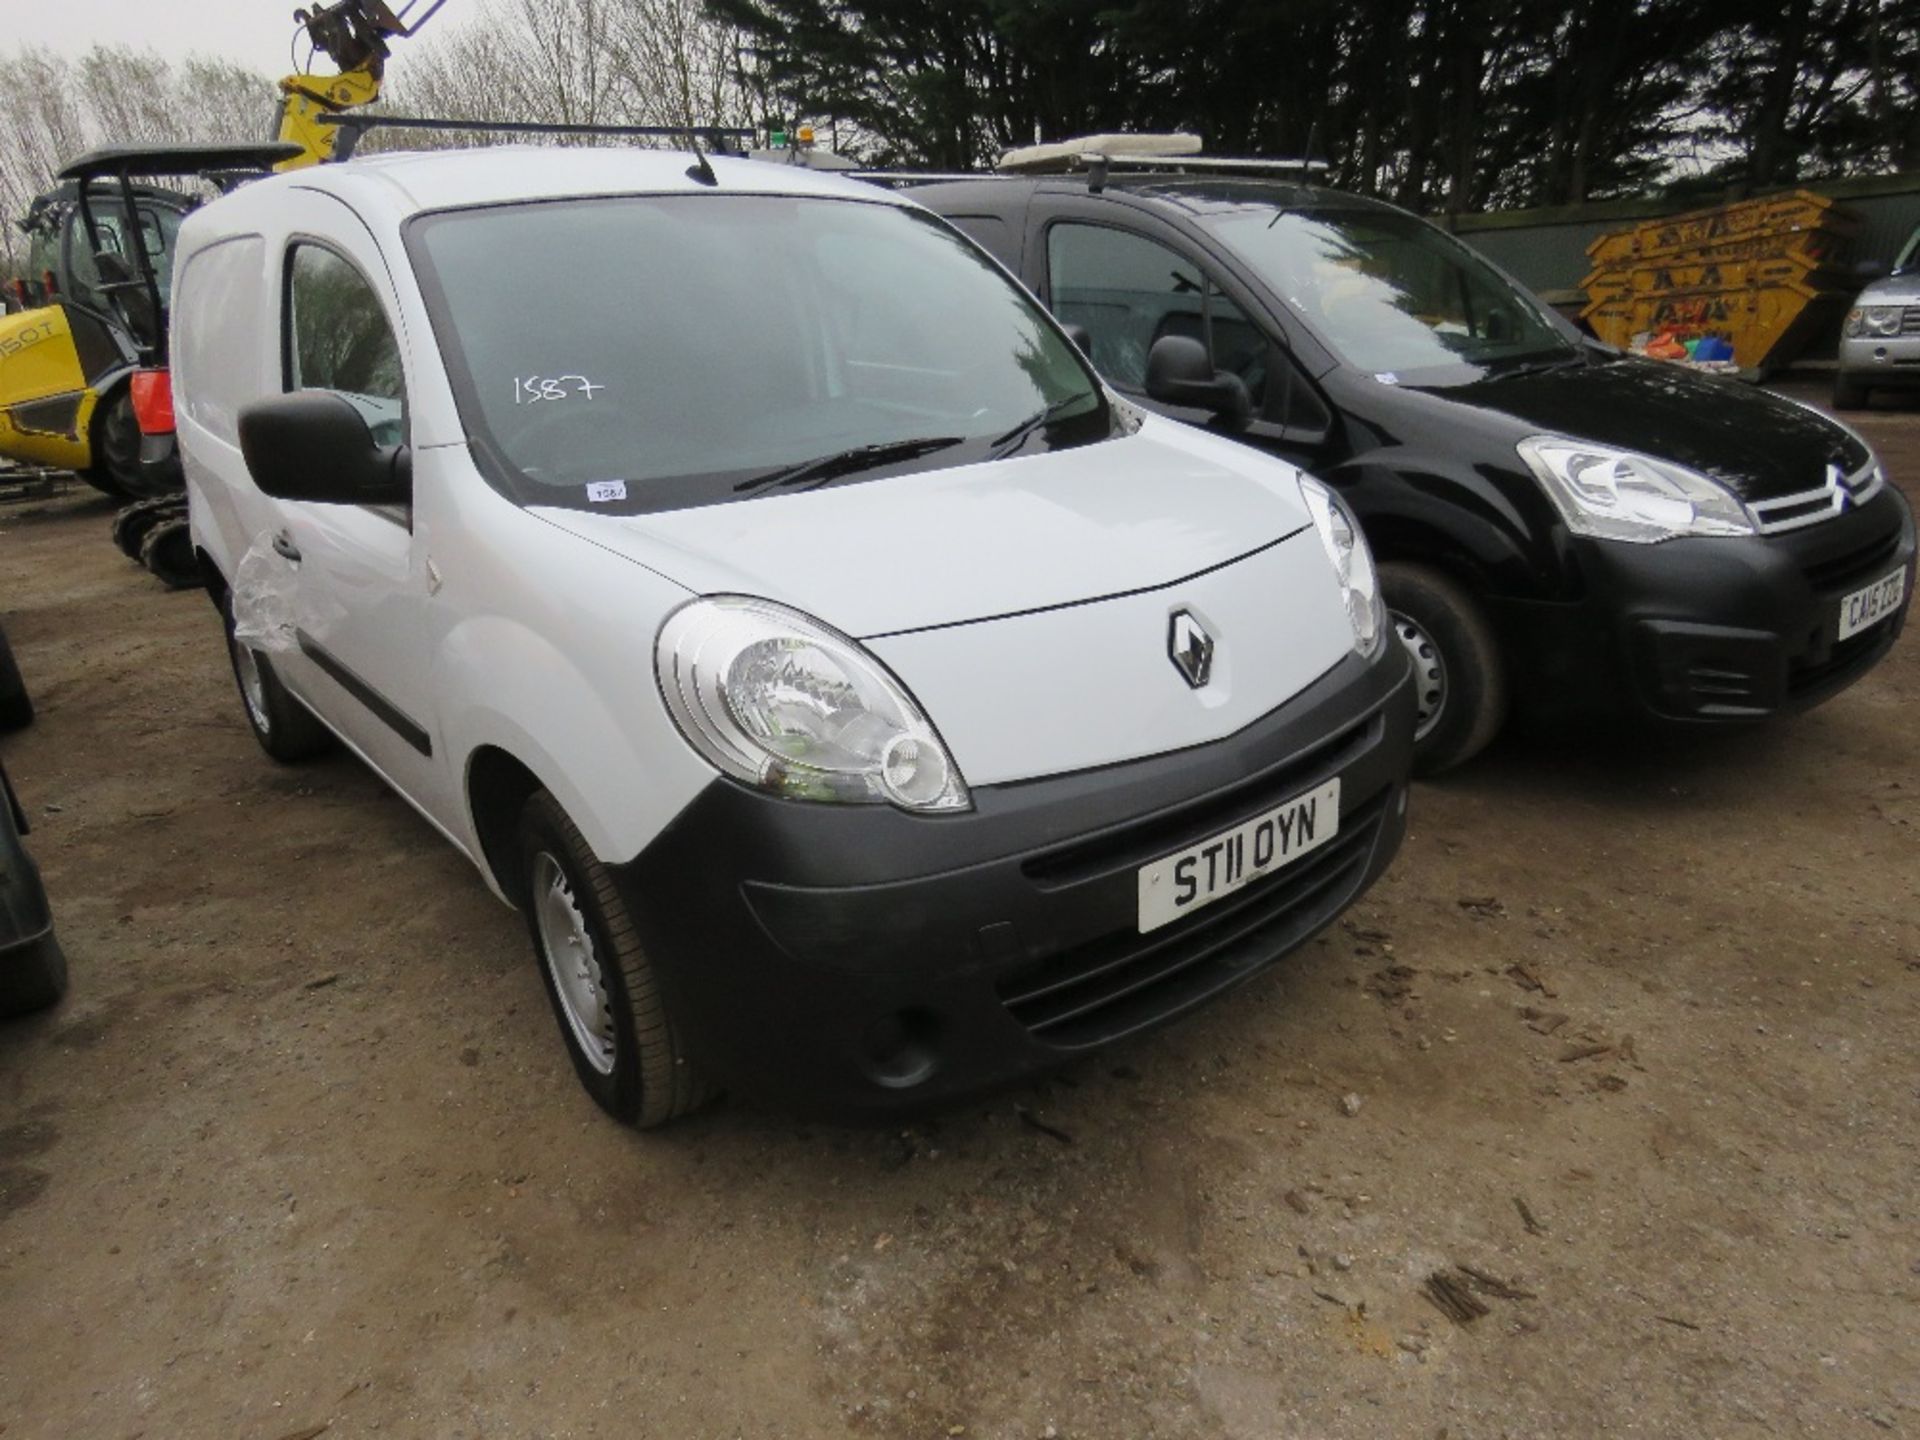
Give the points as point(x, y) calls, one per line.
point(1565, 529)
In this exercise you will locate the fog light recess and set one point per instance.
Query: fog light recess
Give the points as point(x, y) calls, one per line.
point(901, 1050)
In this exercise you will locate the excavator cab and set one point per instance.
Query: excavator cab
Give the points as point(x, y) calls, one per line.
point(84, 384)
point(92, 309)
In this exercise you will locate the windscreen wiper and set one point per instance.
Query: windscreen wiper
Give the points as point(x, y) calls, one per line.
point(1006, 444)
point(847, 462)
point(1557, 361)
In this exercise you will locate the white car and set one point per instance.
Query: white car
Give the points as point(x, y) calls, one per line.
point(863, 704)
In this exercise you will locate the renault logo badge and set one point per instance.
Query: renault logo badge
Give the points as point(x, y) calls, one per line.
point(1190, 648)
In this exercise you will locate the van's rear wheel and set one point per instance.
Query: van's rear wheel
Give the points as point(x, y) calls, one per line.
point(601, 984)
point(1459, 682)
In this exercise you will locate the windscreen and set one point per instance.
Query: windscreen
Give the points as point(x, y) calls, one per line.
point(1391, 294)
point(1909, 255)
point(159, 225)
point(655, 352)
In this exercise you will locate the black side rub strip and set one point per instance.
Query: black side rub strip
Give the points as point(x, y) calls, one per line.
point(389, 714)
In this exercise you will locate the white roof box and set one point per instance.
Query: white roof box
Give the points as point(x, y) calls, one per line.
point(1065, 154)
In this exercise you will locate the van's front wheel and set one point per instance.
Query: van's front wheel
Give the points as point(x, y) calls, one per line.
point(1458, 680)
point(601, 984)
point(284, 727)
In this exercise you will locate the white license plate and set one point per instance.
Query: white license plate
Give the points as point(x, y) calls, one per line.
point(1873, 603)
point(1179, 884)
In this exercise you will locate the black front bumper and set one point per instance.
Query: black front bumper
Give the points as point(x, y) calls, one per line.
point(859, 960)
point(1704, 632)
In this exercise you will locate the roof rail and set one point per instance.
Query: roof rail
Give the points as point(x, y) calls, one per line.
point(1215, 164)
point(356, 124)
point(922, 177)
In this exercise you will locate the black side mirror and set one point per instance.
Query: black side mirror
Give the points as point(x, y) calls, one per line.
point(1179, 373)
point(1871, 270)
point(316, 445)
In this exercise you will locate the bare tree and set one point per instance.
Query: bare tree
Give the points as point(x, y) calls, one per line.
point(54, 109)
point(619, 62)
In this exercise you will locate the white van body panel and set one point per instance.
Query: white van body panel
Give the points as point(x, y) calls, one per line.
point(942, 547)
point(1024, 602)
point(1080, 686)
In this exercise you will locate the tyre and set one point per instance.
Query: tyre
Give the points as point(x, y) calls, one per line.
point(601, 984)
point(285, 728)
point(32, 977)
point(1848, 393)
point(16, 706)
point(167, 552)
point(115, 442)
point(1461, 684)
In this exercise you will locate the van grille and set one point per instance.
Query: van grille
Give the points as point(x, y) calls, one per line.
point(1134, 844)
point(1862, 563)
point(1831, 497)
point(1125, 981)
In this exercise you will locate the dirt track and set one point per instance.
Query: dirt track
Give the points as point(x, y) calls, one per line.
point(302, 1148)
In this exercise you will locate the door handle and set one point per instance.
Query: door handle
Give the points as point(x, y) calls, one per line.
point(284, 547)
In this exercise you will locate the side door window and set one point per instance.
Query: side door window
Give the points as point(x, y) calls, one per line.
point(1128, 291)
point(338, 339)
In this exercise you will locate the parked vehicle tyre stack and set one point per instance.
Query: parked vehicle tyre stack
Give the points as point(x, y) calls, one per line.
point(16, 706)
point(33, 968)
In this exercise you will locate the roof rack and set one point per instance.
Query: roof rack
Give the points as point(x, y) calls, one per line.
point(1062, 155)
point(354, 125)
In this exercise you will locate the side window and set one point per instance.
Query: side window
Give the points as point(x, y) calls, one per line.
point(221, 352)
point(1128, 291)
point(338, 339)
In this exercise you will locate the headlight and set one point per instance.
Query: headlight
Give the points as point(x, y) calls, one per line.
point(1878, 319)
point(1618, 495)
point(788, 705)
point(1352, 563)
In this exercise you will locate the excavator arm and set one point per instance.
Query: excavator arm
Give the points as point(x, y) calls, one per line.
point(355, 36)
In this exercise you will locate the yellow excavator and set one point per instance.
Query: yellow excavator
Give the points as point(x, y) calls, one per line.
point(87, 321)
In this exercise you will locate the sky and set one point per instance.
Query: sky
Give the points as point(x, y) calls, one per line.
point(253, 32)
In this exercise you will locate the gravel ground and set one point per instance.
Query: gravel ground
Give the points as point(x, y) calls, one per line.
point(1623, 1045)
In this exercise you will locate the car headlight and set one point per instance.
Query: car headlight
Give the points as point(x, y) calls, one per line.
point(1876, 320)
point(1352, 563)
point(793, 707)
point(1619, 495)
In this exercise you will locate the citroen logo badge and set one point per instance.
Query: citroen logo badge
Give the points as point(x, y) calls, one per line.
point(1837, 486)
point(1190, 648)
